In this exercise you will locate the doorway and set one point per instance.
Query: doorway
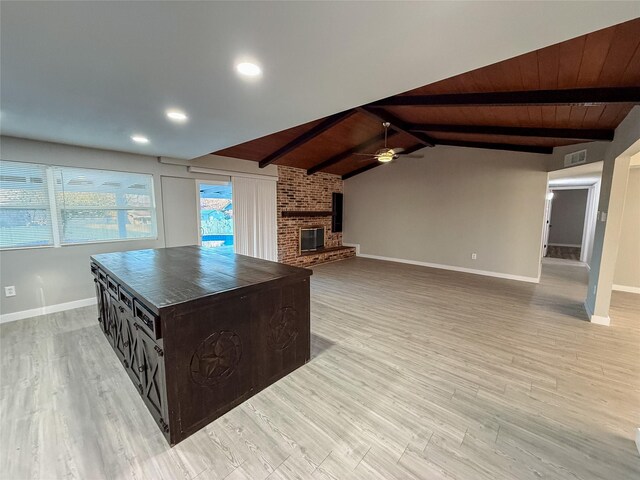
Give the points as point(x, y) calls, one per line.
point(570, 214)
point(216, 215)
point(566, 223)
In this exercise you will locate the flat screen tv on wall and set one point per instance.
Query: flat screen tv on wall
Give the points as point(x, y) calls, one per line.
point(336, 212)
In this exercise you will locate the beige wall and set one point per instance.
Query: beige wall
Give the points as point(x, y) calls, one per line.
point(627, 273)
point(50, 276)
point(453, 202)
point(567, 217)
point(615, 173)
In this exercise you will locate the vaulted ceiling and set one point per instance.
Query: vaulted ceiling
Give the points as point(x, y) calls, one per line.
point(571, 92)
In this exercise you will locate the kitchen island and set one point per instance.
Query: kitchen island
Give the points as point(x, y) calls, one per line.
point(199, 331)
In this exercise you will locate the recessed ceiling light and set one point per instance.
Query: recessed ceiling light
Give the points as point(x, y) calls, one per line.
point(176, 115)
point(248, 69)
point(139, 139)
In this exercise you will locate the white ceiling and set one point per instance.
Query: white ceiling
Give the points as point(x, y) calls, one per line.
point(93, 73)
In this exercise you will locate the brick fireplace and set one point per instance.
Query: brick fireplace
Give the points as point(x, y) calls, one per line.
point(297, 193)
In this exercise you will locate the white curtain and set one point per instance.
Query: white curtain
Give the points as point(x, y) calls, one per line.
point(254, 217)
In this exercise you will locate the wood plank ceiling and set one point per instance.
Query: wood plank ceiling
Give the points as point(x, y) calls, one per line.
point(575, 91)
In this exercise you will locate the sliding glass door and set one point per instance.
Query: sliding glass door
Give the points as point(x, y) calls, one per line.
point(216, 215)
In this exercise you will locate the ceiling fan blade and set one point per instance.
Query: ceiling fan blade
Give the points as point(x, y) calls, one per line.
point(364, 154)
point(410, 156)
point(398, 150)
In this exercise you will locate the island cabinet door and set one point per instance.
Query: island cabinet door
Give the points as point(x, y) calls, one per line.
point(101, 310)
point(152, 384)
point(132, 356)
point(118, 330)
point(129, 335)
point(282, 317)
point(101, 294)
point(111, 317)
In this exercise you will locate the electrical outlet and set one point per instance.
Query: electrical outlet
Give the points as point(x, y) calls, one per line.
point(10, 291)
point(474, 256)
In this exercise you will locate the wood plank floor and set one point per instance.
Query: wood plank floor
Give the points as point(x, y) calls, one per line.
point(416, 373)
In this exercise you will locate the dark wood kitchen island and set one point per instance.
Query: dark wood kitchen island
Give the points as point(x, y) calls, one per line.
point(199, 331)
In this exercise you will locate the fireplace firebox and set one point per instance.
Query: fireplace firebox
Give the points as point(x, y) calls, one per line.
point(311, 239)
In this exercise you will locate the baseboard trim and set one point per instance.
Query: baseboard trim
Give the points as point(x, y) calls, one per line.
point(486, 273)
point(34, 312)
point(597, 319)
point(354, 245)
point(565, 245)
point(626, 288)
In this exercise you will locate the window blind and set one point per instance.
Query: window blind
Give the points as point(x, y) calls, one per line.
point(100, 205)
point(42, 205)
point(255, 218)
point(25, 213)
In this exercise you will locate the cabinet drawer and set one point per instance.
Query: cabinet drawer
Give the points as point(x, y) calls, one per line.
point(147, 320)
point(112, 287)
point(126, 299)
point(98, 274)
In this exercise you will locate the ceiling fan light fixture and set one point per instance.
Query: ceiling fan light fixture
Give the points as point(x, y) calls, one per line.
point(385, 156)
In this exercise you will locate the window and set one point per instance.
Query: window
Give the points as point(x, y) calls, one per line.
point(50, 205)
point(25, 213)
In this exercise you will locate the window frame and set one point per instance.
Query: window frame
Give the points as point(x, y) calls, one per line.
point(54, 209)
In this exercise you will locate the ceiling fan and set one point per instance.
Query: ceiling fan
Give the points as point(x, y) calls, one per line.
point(386, 154)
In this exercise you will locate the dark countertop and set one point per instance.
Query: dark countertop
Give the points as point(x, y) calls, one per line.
point(168, 276)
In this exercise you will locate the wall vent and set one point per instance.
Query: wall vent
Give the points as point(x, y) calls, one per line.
point(575, 158)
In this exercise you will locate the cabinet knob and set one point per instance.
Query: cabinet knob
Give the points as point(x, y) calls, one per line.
point(142, 368)
point(159, 350)
point(136, 326)
point(126, 344)
point(121, 308)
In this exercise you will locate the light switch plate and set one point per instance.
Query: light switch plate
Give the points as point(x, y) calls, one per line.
point(10, 291)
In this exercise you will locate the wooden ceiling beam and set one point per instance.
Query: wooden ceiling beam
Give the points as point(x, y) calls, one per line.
point(497, 146)
point(575, 96)
point(397, 124)
point(323, 126)
point(347, 153)
point(570, 133)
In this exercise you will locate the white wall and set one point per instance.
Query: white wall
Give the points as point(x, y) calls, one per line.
point(627, 273)
point(50, 276)
point(453, 202)
point(567, 217)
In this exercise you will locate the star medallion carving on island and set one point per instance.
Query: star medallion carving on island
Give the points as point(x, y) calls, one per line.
point(283, 328)
point(216, 358)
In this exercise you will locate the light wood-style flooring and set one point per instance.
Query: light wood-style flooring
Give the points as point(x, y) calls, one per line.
point(416, 373)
